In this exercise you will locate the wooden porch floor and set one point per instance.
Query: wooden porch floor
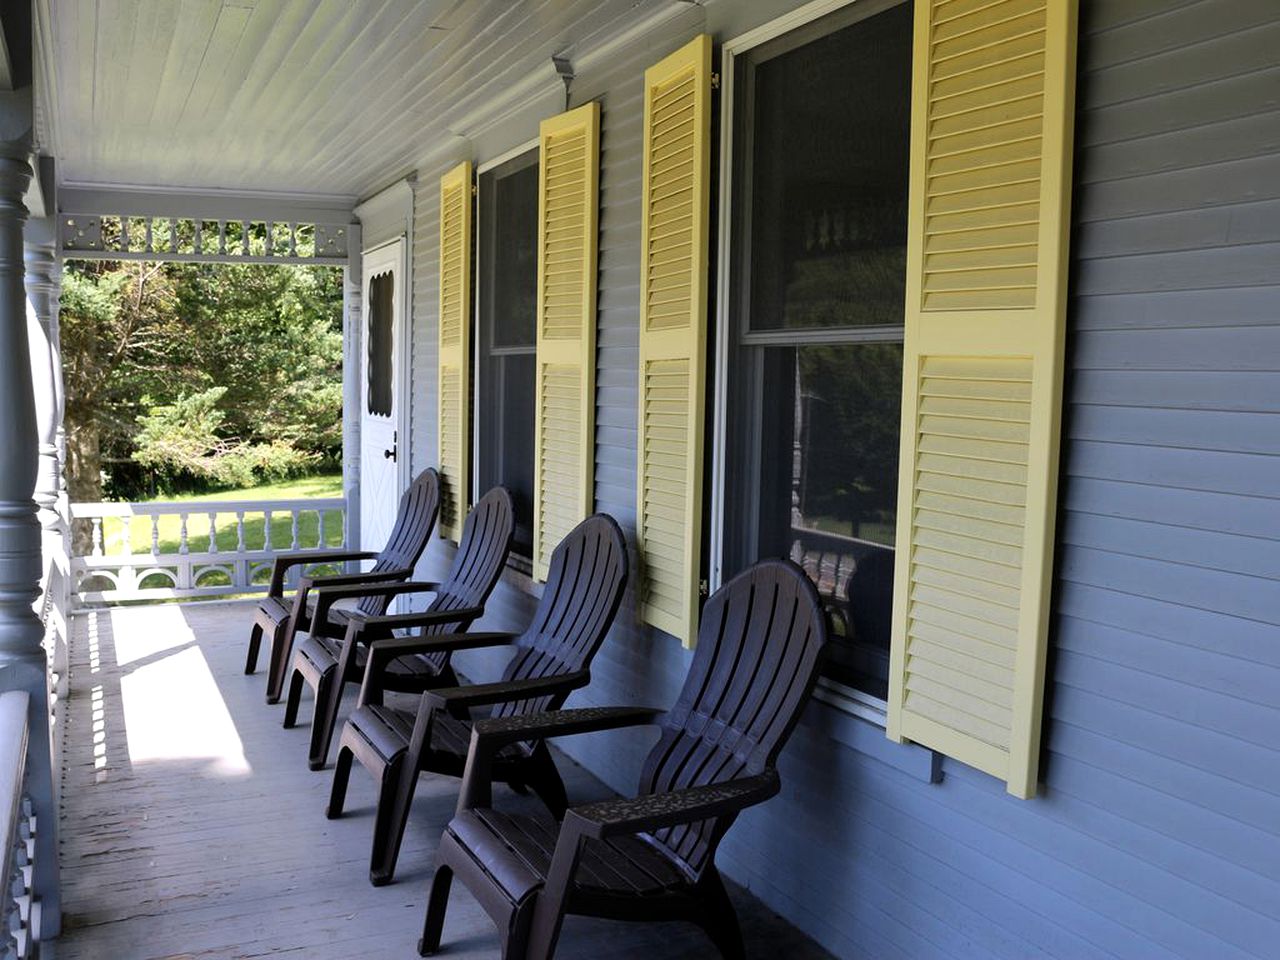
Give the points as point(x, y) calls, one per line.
point(191, 826)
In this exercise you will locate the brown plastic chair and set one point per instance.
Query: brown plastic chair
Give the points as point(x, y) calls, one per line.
point(327, 665)
point(651, 857)
point(281, 620)
point(584, 588)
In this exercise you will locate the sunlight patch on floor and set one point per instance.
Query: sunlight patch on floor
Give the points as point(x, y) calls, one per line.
point(173, 710)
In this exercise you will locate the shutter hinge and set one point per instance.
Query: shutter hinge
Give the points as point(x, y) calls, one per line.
point(715, 81)
point(474, 190)
point(704, 588)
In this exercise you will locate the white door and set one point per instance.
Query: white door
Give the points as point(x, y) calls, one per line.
point(383, 446)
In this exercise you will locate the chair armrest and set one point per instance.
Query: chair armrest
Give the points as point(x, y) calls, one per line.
point(458, 700)
point(489, 736)
point(654, 811)
point(326, 588)
point(284, 561)
point(365, 588)
point(386, 648)
point(500, 731)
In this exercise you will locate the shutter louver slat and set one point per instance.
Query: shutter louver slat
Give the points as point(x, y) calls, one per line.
point(986, 280)
point(674, 237)
point(565, 390)
point(455, 348)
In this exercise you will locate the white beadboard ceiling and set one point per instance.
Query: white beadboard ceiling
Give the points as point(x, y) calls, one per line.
point(327, 97)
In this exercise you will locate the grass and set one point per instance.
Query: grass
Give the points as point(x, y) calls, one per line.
point(169, 528)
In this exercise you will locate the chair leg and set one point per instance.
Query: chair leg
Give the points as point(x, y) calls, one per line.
point(545, 781)
point(293, 699)
point(395, 796)
point(278, 662)
point(720, 920)
point(437, 904)
point(341, 775)
point(255, 642)
point(328, 697)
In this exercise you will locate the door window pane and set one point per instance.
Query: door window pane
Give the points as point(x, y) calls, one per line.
point(381, 311)
point(508, 290)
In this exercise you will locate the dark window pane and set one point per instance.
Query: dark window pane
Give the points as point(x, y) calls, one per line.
point(513, 282)
point(829, 487)
point(823, 203)
point(508, 288)
point(381, 310)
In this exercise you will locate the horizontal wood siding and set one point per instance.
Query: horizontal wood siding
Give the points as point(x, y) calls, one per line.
point(1157, 834)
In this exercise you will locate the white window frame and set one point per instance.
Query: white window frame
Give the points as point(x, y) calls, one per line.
point(838, 695)
point(476, 366)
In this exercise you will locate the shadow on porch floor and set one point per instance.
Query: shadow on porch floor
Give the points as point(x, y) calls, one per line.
point(191, 826)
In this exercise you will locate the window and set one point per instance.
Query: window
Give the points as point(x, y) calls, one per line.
point(812, 376)
point(381, 316)
point(507, 308)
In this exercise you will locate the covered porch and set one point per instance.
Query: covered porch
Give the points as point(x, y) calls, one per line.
point(191, 825)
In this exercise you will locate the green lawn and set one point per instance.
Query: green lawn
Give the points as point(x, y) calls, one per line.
point(170, 527)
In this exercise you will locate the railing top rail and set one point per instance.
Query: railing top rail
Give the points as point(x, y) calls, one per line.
point(198, 507)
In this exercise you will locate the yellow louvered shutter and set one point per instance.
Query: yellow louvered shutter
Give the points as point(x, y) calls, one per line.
point(455, 347)
point(982, 382)
point(564, 459)
point(673, 335)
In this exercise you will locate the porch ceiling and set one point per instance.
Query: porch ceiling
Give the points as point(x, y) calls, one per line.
point(299, 96)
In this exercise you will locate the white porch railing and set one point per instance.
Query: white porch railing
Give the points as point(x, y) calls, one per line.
point(19, 908)
point(169, 550)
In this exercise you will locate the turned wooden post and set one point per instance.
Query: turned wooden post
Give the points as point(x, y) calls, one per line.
point(23, 663)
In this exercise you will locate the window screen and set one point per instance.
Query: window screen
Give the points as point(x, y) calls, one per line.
point(818, 271)
point(508, 291)
point(381, 313)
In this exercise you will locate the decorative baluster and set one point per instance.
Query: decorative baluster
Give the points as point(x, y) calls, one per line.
point(240, 531)
point(346, 531)
point(147, 223)
point(213, 532)
point(173, 235)
point(182, 536)
point(244, 237)
point(293, 239)
point(222, 237)
point(124, 234)
point(266, 528)
point(293, 527)
point(155, 534)
point(270, 248)
point(97, 537)
point(320, 529)
point(197, 244)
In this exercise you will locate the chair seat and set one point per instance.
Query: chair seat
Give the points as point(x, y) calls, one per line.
point(516, 850)
point(389, 730)
point(323, 652)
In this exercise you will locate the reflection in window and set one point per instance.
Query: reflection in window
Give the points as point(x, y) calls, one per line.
point(381, 312)
point(508, 291)
point(817, 292)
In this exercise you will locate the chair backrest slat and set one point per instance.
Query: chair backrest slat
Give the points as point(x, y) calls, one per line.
point(759, 647)
point(415, 519)
point(478, 562)
point(585, 584)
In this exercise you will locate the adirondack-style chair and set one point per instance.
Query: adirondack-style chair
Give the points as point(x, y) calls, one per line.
point(585, 583)
point(327, 665)
point(281, 620)
point(651, 857)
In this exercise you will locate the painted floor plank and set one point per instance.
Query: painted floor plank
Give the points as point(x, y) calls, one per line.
point(192, 828)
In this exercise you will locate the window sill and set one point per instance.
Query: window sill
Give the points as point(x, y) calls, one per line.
point(858, 721)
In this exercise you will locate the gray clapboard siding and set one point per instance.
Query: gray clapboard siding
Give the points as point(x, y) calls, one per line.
point(1157, 833)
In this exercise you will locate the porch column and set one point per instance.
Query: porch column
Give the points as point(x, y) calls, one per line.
point(22, 655)
point(352, 366)
point(42, 283)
